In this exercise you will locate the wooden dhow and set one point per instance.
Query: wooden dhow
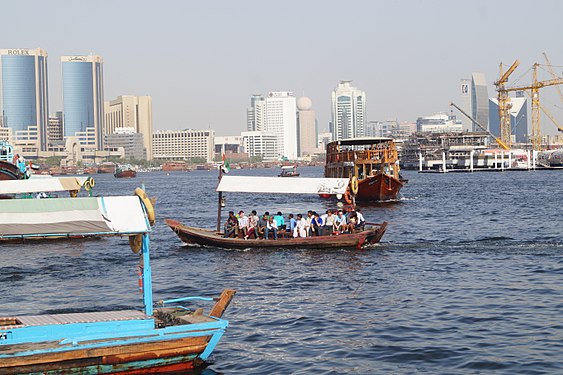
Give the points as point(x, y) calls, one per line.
point(372, 163)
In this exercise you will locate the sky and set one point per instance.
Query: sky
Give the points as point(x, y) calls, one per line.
point(202, 60)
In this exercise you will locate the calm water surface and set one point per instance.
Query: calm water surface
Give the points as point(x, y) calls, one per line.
point(468, 278)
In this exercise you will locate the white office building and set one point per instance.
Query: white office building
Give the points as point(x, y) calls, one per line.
point(263, 144)
point(183, 144)
point(281, 120)
point(348, 111)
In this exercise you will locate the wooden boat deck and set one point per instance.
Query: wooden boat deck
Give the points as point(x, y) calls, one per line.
point(88, 317)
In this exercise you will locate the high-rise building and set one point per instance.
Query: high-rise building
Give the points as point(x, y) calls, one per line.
point(307, 125)
point(24, 103)
point(83, 99)
point(474, 101)
point(256, 113)
point(128, 111)
point(518, 118)
point(281, 120)
point(55, 129)
point(348, 111)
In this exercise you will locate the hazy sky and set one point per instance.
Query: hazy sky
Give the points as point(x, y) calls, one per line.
point(202, 60)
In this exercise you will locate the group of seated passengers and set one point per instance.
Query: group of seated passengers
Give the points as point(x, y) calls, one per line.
point(313, 224)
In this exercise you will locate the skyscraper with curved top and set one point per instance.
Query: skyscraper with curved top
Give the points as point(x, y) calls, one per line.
point(24, 102)
point(83, 99)
point(348, 111)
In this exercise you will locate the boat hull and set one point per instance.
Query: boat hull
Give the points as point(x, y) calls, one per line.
point(114, 342)
point(380, 187)
point(9, 171)
point(126, 174)
point(207, 237)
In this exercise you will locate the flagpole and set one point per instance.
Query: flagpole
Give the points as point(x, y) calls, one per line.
point(220, 199)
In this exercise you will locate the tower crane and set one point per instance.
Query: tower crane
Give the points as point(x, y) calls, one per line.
point(504, 104)
point(553, 75)
point(535, 94)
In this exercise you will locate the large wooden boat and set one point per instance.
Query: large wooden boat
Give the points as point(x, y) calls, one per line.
point(172, 166)
point(277, 185)
point(125, 171)
point(107, 167)
point(9, 170)
point(372, 162)
point(162, 337)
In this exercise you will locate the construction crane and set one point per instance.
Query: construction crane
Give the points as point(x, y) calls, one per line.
point(535, 94)
point(553, 75)
point(504, 104)
point(498, 140)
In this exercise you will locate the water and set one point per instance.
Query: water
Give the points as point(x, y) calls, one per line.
point(468, 278)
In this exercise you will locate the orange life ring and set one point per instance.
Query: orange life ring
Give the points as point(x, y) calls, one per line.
point(348, 196)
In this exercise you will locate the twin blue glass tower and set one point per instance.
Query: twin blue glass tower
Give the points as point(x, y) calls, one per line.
point(24, 101)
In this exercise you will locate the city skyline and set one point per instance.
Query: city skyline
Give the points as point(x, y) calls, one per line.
point(404, 61)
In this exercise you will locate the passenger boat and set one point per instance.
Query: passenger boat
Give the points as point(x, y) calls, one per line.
point(371, 234)
point(162, 337)
point(372, 162)
point(9, 168)
point(125, 171)
point(289, 171)
point(45, 187)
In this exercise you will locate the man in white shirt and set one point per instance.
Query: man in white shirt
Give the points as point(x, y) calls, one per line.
point(243, 224)
point(301, 227)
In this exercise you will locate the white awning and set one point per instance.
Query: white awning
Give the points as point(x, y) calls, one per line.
point(37, 185)
point(72, 216)
point(282, 185)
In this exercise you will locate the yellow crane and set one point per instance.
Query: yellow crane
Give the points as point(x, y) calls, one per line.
point(504, 104)
point(498, 140)
point(535, 94)
point(553, 75)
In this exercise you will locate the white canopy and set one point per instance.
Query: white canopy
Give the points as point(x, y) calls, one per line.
point(36, 185)
point(72, 216)
point(282, 185)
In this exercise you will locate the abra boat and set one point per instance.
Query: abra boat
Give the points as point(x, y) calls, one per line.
point(9, 168)
point(45, 187)
point(276, 185)
point(372, 162)
point(163, 337)
point(289, 171)
point(125, 171)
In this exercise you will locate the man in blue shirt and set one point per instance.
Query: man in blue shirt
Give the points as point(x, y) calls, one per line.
point(280, 221)
point(292, 223)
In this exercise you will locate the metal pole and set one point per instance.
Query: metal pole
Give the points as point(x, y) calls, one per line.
point(471, 160)
point(420, 162)
point(219, 201)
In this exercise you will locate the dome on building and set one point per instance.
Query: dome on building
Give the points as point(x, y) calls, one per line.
point(304, 103)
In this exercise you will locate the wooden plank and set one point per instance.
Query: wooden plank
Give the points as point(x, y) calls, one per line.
point(123, 350)
point(221, 305)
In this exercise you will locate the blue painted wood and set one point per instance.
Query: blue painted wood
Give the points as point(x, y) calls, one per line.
point(147, 276)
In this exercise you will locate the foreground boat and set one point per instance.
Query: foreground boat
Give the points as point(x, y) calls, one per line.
point(208, 237)
point(369, 235)
point(372, 162)
point(163, 337)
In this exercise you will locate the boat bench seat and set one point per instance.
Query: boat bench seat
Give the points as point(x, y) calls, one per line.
point(89, 317)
